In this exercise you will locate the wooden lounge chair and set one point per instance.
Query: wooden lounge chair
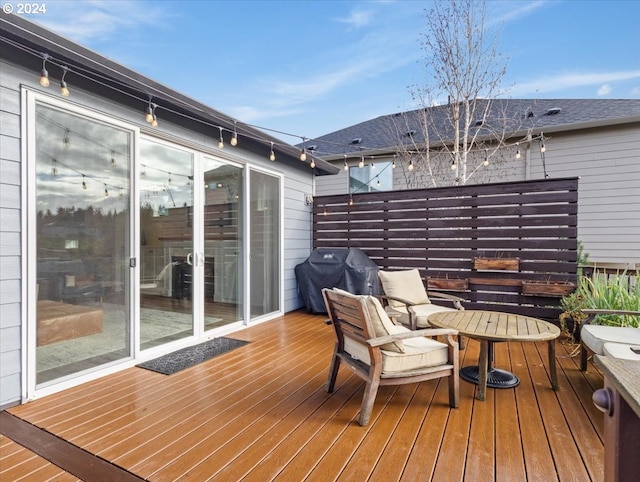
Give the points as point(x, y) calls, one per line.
point(407, 301)
point(382, 353)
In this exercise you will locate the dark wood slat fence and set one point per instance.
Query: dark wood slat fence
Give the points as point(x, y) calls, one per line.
point(503, 243)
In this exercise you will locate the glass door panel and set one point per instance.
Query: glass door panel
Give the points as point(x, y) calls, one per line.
point(82, 196)
point(223, 253)
point(166, 244)
point(264, 243)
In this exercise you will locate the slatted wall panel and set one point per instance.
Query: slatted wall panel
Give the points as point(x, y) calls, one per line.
point(529, 229)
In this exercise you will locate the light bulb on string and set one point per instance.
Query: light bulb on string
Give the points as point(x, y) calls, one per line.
point(154, 119)
point(346, 165)
point(303, 151)
point(221, 141)
point(410, 165)
point(54, 168)
point(44, 75)
point(234, 138)
point(149, 112)
point(542, 148)
point(113, 159)
point(106, 191)
point(313, 164)
point(84, 183)
point(454, 166)
point(66, 142)
point(361, 163)
point(169, 181)
point(378, 183)
point(486, 158)
point(518, 155)
point(272, 154)
point(64, 90)
point(350, 200)
point(393, 164)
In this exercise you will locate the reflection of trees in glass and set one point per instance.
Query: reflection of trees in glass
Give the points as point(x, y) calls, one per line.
point(97, 233)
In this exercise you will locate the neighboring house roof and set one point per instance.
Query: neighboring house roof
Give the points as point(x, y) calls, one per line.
point(520, 116)
point(129, 87)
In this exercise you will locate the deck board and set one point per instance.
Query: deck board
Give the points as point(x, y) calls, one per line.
point(261, 413)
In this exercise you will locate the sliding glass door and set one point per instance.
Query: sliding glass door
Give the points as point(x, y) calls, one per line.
point(264, 243)
point(82, 242)
point(166, 243)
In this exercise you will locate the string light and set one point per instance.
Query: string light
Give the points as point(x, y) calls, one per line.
point(154, 119)
point(234, 138)
point(84, 183)
point(410, 167)
point(149, 112)
point(44, 75)
point(64, 90)
point(303, 151)
point(518, 155)
point(393, 164)
point(272, 155)
point(313, 164)
point(66, 142)
point(350, 200)
point(113, 158)
point(54, 168)
point(106, 191)
point(486, 158)
point(361, 163)
point(90, 75)
point(221, 141)
point(346, 165)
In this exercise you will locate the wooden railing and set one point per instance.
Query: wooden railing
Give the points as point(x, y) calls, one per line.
point(510, 246)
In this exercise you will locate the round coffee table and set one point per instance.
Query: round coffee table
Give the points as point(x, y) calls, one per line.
point(494, 326)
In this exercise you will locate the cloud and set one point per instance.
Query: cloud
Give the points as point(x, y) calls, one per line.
point(506, 15)
point(571, 80)
point(100, 19)
point(604, 90)
point(357, 18)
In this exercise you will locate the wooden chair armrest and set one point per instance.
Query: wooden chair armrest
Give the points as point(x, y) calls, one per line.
point(383, 340)
point(395, 298)
point(456, 300)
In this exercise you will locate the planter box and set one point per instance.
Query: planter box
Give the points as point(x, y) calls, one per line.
point(547, 288)
point(447, 284)
point(496, 264)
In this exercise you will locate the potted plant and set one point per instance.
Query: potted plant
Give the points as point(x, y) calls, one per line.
point(620, 291)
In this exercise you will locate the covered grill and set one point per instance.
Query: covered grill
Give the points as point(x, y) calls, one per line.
point(349, 269)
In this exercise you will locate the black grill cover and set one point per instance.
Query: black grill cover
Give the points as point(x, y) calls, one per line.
point(349, 269)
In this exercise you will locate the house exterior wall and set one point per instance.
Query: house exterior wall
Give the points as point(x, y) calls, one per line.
point(298, 181)
point(607, 160)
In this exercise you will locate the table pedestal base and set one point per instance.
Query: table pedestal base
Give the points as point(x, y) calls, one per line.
point(496, 378)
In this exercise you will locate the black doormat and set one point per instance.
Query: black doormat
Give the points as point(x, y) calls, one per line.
point(190, 356)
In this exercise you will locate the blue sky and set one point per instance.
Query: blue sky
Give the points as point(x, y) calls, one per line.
point(309, 67)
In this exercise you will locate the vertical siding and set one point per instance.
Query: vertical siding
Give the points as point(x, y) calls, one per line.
point(10, 259)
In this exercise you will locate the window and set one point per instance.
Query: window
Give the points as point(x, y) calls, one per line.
point(371, 177)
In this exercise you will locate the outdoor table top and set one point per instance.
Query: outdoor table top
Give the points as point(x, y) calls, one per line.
point(495, 325)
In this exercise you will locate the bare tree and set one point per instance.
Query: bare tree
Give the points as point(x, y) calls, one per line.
point(456, 131)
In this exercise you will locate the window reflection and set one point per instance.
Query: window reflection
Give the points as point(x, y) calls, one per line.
point(82, 203)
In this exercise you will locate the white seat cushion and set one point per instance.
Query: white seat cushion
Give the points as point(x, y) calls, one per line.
point(405, 284)
point(401, 313)
point(595, 336)
point(619, 350)
point(419, 352)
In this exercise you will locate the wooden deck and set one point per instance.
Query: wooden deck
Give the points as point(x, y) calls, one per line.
point(260, 413)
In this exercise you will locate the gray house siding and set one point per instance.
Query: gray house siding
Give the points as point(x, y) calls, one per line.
point(298, 181)
point(607, 160)
point(608, 163)
point(10, 220)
